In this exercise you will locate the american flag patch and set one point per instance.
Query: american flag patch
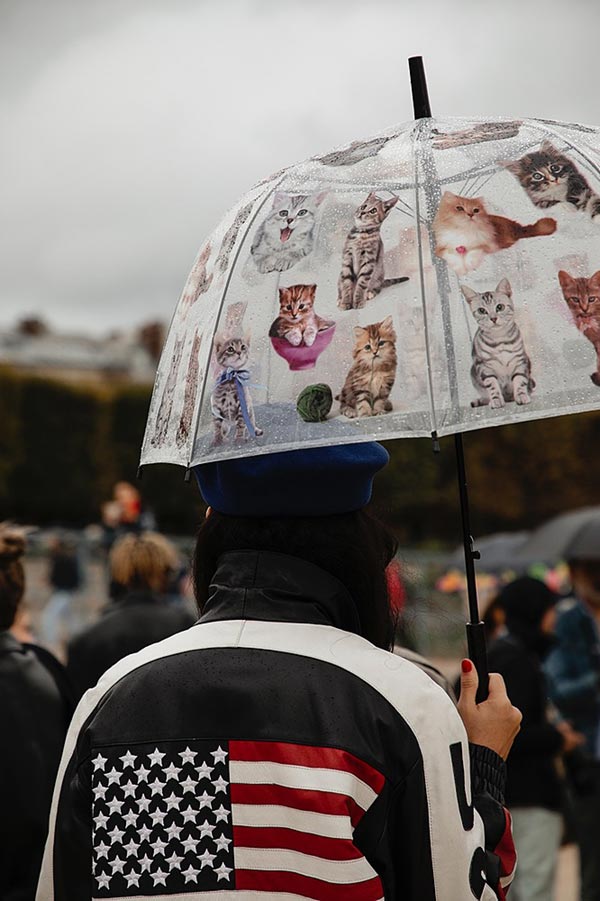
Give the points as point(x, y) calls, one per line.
point(231, 817)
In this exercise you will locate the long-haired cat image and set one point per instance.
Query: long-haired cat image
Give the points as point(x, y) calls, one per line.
point(362, 275)
point(583, 299)
point(549, 177)
point(465, 232)
point(286, 236)
point(371, 377)
point(298, 322)
point(230, 401)
point(198, 282)
point(501, 370)
point(166, 401)
point(483, 131)
point(356, 152)
point(230, 237)
point(189, 397)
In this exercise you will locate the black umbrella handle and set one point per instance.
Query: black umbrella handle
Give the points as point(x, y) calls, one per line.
point(478, 654)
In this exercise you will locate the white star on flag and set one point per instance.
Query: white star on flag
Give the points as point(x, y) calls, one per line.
point(114, 805)
point(220, 785)
point(188, 756)
point(221, 814)
point(114, 776)
point(102, 849)
point(116, 835)
point(157, 786)
point(145, 862)
point(191, 875)
point(143, 803)
point(158, 816)
point(129, 789)
point(173, 861)
point(172, 771)
point(188, 784)
point(132, 878)
point(131, 847)
point(189, 814)
point(117, 865)
point(142, 774)
point(204, 771)
point(206, 859)
point(173, 831)
point(172, 801)
point(156, 757)
point(100, 790)
point(205, 800)
point(144, 833)
point(99, 762)
point(159, 877)
point(222, 843)
point(100, 820)
point(206, 829)
point(189, 844)
point(223, 871)
point(219, 755)
point(130, 818)
point(158, 845)
point(103, 880)
point(128, 759)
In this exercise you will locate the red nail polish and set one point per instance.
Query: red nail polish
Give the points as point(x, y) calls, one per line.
point(466, 666)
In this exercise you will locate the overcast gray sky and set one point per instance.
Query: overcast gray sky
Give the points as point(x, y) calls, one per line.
point(129, 127)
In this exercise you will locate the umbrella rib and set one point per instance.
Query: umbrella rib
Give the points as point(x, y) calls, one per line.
point(268, 192)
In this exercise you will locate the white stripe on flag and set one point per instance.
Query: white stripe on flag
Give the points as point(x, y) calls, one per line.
point(340, 872)
point(302, 777)
point(325, 824)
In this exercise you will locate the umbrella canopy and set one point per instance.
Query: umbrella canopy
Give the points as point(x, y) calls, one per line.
point(570, 536)
point(498, 553)
point(438, 277)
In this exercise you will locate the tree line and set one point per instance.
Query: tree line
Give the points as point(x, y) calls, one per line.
point(63, 447)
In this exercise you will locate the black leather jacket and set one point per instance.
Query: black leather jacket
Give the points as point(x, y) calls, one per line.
point(270, 749)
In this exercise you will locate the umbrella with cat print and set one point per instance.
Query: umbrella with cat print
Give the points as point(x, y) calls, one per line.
point(441, 276)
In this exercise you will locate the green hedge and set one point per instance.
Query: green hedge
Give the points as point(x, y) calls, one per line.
point(62, 448)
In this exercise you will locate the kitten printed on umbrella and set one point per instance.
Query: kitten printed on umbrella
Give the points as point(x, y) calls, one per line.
point(166, 401)
point(198, 281)
point(230, 402)
point(191, 389)
point(362, 276)
point(583, 299)
point(356, 152)
point(548, 177)
point(483, 131)
point(465, 232)
point(230, 237)
point(286, 236)
point(371, 377)
point(298, 322)
point(501, 370)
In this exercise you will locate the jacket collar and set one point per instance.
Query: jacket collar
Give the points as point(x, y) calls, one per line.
point(9, 644)
point(261, 585)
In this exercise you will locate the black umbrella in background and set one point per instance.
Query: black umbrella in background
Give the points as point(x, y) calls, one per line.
point(570, 536)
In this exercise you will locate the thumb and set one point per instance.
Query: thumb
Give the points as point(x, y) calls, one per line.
point(469, 681)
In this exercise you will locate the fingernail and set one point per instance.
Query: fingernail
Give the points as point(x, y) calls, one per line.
point(466, 666)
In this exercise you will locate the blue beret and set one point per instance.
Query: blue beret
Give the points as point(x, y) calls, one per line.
point(318, 481)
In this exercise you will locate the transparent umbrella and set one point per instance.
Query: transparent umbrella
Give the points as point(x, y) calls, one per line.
point(440, 276)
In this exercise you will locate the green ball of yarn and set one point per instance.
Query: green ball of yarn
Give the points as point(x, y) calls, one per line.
point(314, 403)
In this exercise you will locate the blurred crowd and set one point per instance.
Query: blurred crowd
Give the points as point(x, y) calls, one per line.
point(546, 646)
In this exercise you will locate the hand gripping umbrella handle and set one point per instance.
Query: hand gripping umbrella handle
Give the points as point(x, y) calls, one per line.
point(478, 654)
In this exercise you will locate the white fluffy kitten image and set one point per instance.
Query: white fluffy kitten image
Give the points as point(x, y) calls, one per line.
point(287, 234)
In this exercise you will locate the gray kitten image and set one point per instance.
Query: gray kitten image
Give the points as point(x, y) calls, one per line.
point(501, 369)
point(287, 234)
point(356, 152)
point(166, 402)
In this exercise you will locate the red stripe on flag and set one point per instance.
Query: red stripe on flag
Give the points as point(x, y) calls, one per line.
point(299, 798)
point(505, 849)
point(262, 881)
point(275, 837)
point(307, 755)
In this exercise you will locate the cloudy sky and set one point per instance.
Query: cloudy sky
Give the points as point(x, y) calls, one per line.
point(130, 126)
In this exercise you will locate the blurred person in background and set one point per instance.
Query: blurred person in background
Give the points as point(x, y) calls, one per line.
point(141, 570)
point(34, 716)
point(62, 617)
point(573, 670)
point(533, 788)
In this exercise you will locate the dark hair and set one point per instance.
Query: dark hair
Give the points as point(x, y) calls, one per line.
point(353, 547)
point(12, 575)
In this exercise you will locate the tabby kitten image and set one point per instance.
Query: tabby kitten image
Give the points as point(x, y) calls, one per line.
point(356, 152)
point(501, 369)
point(230, 402)
point(465, 232)
point(166, 401)
point(362, 275)
point(583, 299)
point(297, 321)
point(230, 237)
point(198, 282)
point(189, 397)
point(483, 131)
point(549, 177)
point(287, 234)
point(369, 382)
